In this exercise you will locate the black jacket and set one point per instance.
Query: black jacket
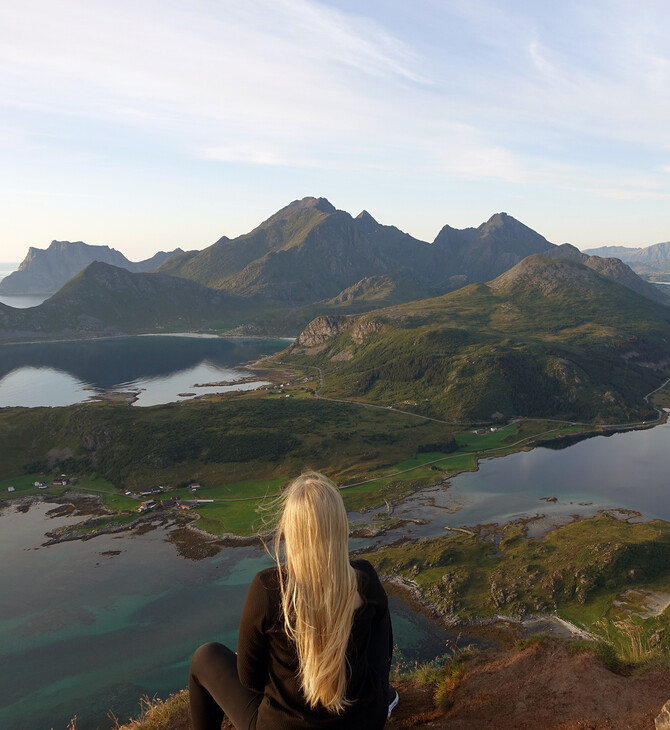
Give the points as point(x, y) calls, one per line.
point(267, 661)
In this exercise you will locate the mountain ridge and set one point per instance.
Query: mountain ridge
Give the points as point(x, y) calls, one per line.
point(310, 251)
point(106, 300)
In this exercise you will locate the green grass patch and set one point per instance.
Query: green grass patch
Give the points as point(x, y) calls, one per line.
point(470, 441)
point(580, 570)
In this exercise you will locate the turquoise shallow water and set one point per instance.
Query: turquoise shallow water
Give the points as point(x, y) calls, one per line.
point(89, 627)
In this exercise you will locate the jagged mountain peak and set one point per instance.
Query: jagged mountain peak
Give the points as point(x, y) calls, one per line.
point(304, 204)
point(502, 226)
point(366, 222)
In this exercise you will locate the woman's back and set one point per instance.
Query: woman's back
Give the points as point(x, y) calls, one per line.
point(315, 642)
point(268, 663)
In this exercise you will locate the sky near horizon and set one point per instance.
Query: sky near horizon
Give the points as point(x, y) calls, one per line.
point(147, 124)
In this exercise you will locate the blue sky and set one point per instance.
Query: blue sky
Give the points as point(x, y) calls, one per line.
point(147, 124)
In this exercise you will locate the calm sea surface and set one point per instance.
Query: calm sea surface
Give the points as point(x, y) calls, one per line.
point(155, 367)
point(629, 471)
point(20, 302)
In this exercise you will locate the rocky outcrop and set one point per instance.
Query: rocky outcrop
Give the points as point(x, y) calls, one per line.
point(324, 328)
point(321, 329)
point(662, 722)
point(363, 329)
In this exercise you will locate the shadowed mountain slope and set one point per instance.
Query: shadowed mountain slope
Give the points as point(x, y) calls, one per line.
point(612, 268)
point(549, 336)
point(310, 251)
point(480, 254)
point(107, 300)
point(44, 271)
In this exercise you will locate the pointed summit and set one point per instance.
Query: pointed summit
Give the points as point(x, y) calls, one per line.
point(367, 222)
point(485, 252)
point(503, 228)
point(305, 204)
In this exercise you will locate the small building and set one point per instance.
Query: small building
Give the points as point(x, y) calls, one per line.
point(145, 506)
point(151, 490)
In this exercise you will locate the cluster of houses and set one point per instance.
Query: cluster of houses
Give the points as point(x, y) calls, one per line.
point(150, 504)
point(62, 481)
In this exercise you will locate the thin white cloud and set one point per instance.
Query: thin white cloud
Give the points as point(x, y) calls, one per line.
point(568, 95)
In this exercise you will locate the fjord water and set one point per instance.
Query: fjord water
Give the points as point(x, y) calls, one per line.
point(89, 627)
point(17, 301)
point(622, 471)
point(157, 367)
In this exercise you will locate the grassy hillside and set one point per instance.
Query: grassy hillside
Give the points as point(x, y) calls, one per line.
point(235, 438)
point(547, 338)
point(106, 300)
point(603, 574)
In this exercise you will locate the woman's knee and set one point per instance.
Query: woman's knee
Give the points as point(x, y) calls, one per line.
point(207, 654)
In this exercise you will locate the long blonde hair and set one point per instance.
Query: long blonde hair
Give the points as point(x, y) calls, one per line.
point(318, 586)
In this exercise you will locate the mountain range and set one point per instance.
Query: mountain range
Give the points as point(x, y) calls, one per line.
point(104, 300)
point(45, 271)
point(309, 251)
point(394, 320)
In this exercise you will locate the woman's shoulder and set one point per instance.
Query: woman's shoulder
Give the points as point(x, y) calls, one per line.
point(364, 566)
point(369, 584)
point(268, 578)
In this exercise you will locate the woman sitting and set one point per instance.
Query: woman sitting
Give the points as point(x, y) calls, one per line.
point(315, 641)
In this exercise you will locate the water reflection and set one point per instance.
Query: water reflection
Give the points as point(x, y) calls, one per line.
point(61, 373)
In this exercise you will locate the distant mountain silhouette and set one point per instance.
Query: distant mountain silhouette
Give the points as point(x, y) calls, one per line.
point(652, 261)
point(44, 271)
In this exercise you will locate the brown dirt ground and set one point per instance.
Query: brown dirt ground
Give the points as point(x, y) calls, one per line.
point(540, 688)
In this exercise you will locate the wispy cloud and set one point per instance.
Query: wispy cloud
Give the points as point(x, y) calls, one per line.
point(568, 96)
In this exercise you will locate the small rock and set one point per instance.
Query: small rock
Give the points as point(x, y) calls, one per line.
point(662, 722)
point(656, 638)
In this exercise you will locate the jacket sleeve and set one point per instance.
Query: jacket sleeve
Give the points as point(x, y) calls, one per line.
point(252, 641)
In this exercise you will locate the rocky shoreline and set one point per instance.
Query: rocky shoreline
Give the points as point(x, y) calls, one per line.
point(499, 628)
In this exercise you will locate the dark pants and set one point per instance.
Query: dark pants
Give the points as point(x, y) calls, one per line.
point(215, 689)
